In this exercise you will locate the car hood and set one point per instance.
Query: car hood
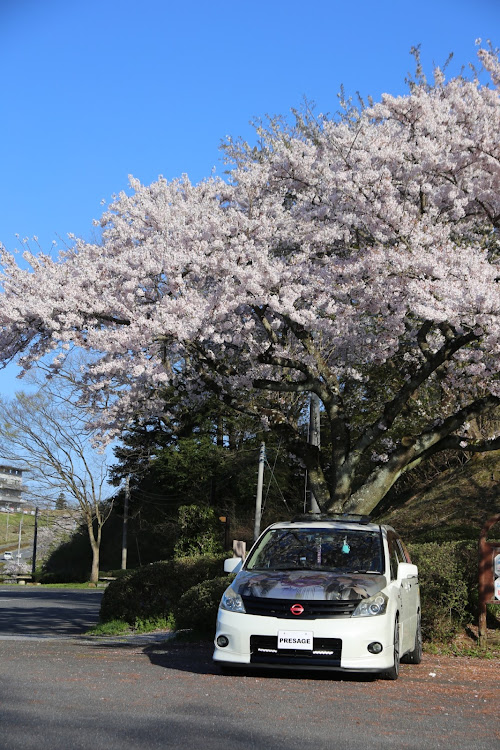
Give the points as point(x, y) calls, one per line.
point(308, 584)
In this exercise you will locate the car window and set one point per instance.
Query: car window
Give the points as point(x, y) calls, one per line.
point(318, 549)
point(393, 557)
point(400, 550)
point(396, 554)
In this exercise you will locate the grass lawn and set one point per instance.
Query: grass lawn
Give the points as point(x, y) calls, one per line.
point(9, 530)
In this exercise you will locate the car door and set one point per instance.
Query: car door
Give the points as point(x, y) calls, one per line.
point(397, 556)
point(410, 596)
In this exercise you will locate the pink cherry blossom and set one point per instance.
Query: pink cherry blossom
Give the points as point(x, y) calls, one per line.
point(334, 249)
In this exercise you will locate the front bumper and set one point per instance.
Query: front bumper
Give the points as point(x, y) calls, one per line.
point(339, 643)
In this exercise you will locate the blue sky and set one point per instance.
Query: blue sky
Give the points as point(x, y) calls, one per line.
point(95, 90)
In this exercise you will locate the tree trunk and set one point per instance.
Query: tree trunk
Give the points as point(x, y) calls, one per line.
point(95, 544)
point(94, 574)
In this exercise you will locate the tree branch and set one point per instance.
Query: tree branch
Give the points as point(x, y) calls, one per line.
point(394, 407)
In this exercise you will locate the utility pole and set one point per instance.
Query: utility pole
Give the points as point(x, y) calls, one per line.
point(314, 439)
point(125, 522)
point(35, 536)
point(260, 484)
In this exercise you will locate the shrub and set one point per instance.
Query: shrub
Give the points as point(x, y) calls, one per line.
point(200, 532)
point(118, 573)
point(197, 608)
point(190, 589)
point(63, 575)
point(448, 586)
point(152, 591)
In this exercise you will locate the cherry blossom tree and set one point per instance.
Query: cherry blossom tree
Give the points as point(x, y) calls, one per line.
point(353, 257)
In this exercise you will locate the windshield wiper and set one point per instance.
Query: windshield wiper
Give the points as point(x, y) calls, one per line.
point(371, 572)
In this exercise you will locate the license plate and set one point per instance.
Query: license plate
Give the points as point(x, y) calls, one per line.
point(296, 639)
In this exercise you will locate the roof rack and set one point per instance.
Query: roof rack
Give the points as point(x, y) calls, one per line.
point(346, 517)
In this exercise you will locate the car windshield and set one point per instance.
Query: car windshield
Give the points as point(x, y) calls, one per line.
point(338, 550)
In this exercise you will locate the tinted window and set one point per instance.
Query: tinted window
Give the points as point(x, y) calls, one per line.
point(318, 549)
point(396, 554)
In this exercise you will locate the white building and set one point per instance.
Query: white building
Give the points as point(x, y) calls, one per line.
point(11, 489)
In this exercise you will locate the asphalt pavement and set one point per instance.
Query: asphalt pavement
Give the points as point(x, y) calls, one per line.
point(32, 611)
point(60, 690)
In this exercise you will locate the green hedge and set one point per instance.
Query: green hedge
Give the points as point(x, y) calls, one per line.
point(152, 592)
point(190, 588)
point(197, 608)
point(448, 582)
point(448, 573)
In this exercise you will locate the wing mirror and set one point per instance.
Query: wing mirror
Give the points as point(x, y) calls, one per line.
point(233, 565)
point(407, 570)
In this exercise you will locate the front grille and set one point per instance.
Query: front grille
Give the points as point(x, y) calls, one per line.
point(313, 610)
point(325, 652)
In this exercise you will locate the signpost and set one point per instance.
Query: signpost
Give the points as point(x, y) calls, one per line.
point(496, 566)
point(489, 575)
point(497, 588)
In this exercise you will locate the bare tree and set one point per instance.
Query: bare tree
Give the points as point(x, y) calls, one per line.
point(47, 432)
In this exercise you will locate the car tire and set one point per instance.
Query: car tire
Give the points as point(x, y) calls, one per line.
point(415, 656)
point(393, 672)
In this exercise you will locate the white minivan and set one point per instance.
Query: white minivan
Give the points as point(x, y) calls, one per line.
point(337, 594)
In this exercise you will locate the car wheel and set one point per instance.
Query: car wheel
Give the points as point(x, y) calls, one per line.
point(393, 672)
point(415, 656)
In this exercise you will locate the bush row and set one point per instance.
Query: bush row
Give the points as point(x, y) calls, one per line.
point(154, 591)
point(448, 575)
point(190, 589)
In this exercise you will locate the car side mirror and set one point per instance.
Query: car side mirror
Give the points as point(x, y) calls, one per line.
point(233, 565)
point(407, 570)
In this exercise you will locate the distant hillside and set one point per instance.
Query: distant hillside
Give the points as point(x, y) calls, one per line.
point(454, 506)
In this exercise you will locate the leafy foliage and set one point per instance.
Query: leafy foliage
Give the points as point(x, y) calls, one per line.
point(448, 584)
point(154, 590)
point(197, 608)
point(199, 532)
point(210, 462)
point(190, 589)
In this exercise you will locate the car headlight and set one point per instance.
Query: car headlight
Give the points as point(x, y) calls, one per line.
point(374, 605)
point(232, 601)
